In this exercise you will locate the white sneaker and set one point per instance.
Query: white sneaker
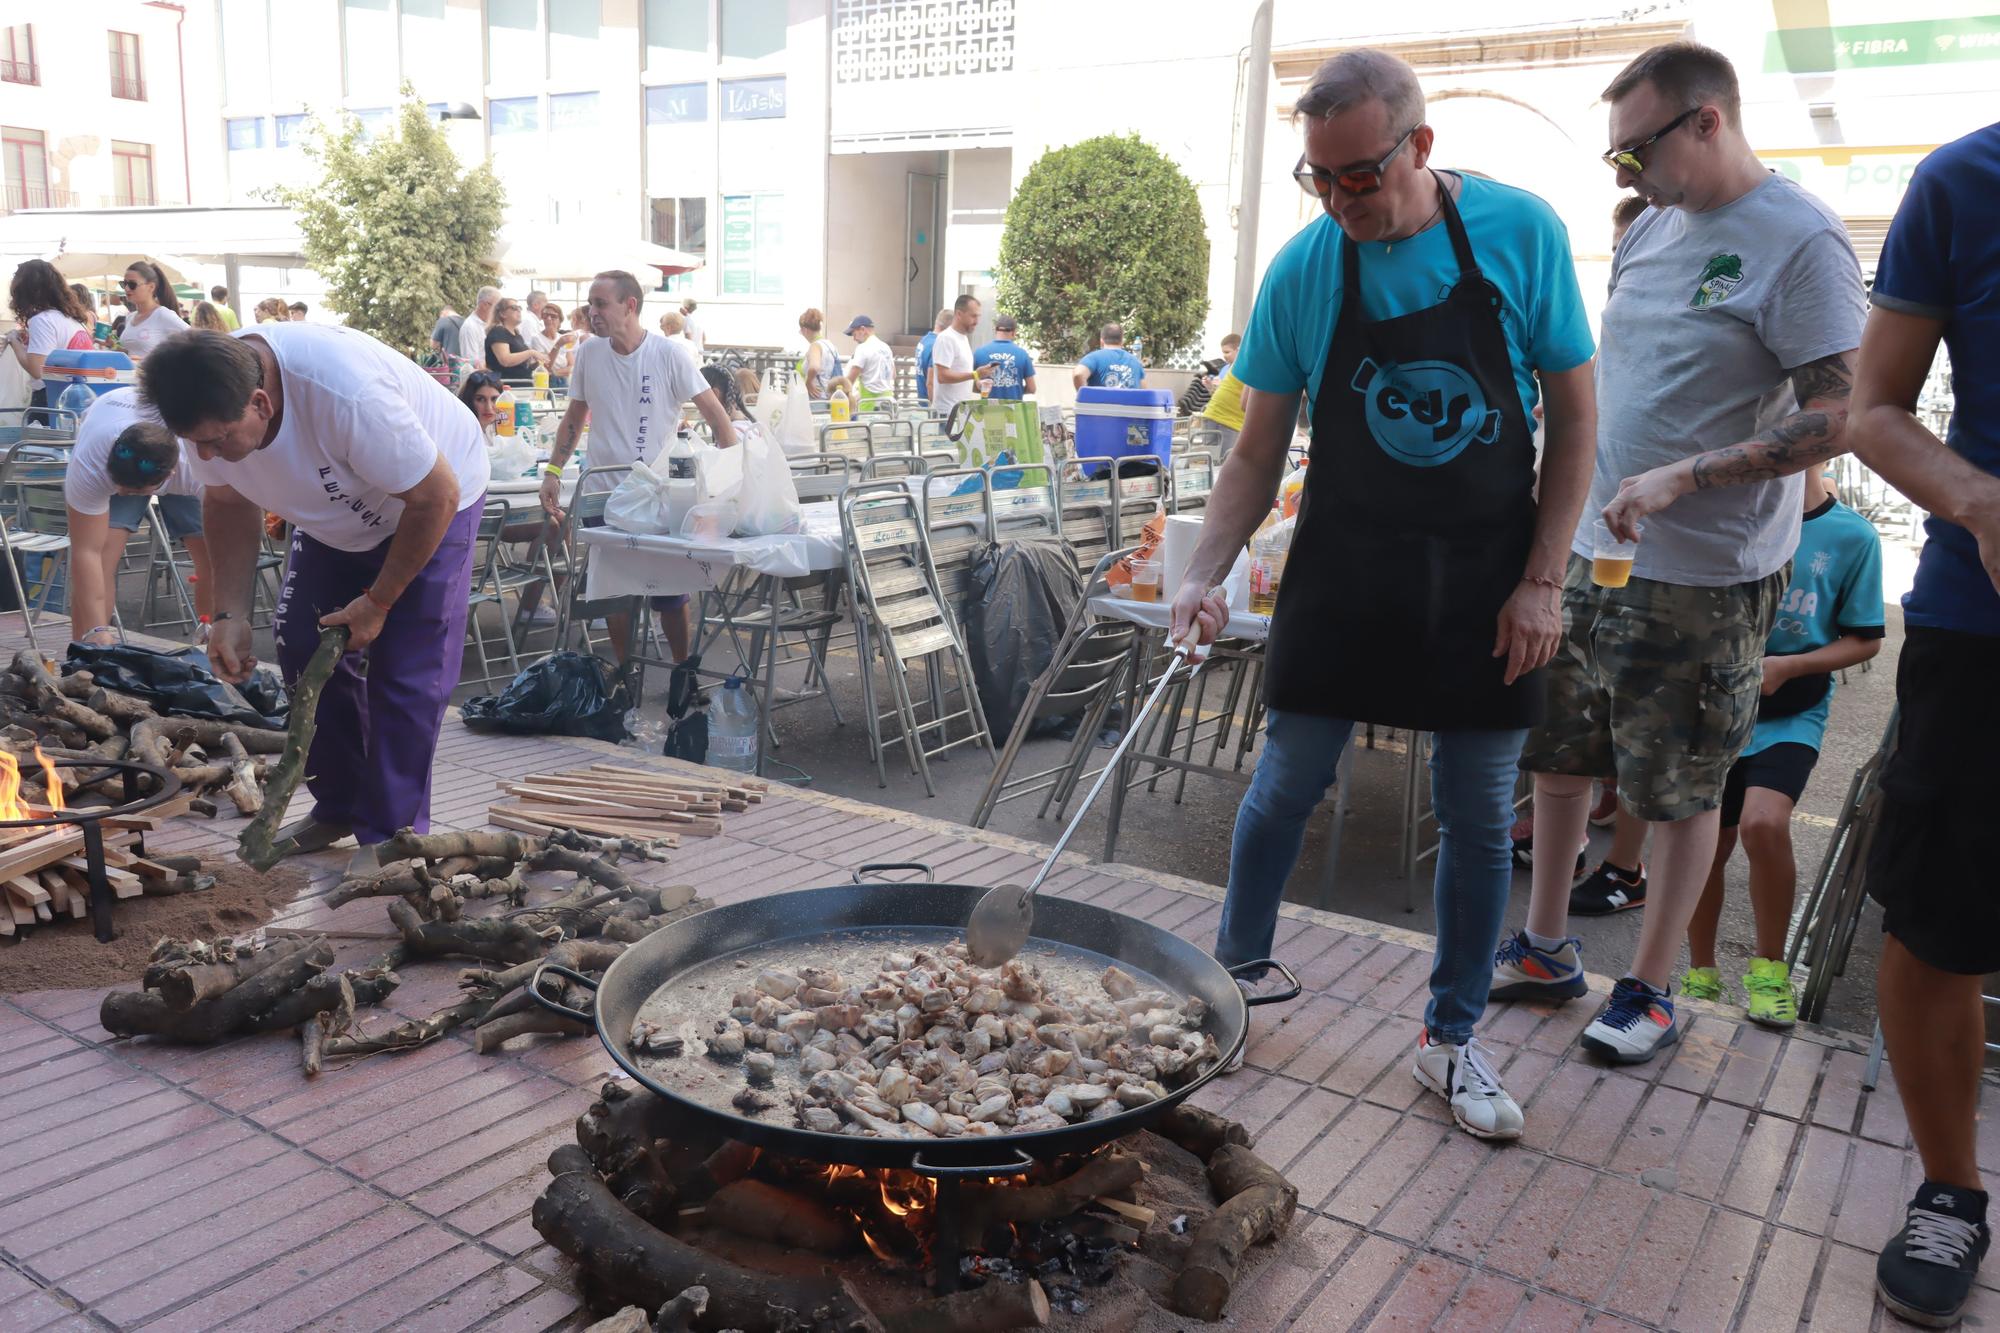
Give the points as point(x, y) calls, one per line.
point(1465, 1077)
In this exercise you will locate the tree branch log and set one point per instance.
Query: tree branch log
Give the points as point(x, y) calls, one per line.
point(1257, 1205)
point(997, 1305)
point(256, 845)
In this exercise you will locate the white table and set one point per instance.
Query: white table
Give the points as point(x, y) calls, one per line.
point(630, 564)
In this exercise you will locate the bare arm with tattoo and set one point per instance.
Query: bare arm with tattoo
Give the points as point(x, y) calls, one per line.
point(1809, 436)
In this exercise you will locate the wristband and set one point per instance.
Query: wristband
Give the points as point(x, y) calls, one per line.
point(551, 470)
point(377, 602)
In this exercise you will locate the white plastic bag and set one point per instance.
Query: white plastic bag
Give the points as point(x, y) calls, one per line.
point(639, 503)
point(769, 501)
point(510, 456)
point(796, 434)
point(769, 409)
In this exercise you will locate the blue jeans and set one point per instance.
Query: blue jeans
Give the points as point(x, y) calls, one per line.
point(1472, 790)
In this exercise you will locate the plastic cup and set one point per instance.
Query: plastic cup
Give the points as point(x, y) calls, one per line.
point(1145, 580)
point(1610, 558)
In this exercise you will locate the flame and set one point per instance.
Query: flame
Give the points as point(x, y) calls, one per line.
point(906, 1192)
point(10, 789)
point(50, 780)
point(878, 1249)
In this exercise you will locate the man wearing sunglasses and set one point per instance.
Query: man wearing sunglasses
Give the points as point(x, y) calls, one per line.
point(1425, 313)
point(1736, 305)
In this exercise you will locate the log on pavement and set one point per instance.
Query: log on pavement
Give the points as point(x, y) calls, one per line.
point(1257, 1205)
point(258, 845)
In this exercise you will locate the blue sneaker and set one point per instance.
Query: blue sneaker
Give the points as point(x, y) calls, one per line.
point(1635, 1024)
point(1523, 972)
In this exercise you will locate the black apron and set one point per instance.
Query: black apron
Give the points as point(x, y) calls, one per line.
point(1416, 521)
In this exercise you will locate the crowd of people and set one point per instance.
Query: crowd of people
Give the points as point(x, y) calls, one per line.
point(1475, 449)
point(1452, 583)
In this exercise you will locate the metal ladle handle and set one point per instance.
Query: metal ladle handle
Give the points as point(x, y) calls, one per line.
point(1183, 651)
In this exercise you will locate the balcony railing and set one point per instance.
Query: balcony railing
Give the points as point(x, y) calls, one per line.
point(130, 87)
point(19, 71)
point(38, 196)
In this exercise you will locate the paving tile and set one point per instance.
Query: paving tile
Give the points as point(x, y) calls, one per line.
point(1880, 1181)
point(1322, 971)
point(1882, 1112)
point(1473, 1222)
point(1840, 1091)
point(1262, 1104)
point(1386, 1048)
point(1749, 1066)
point(1543, 1313)
point(1653, 1139)
point(1815, 1181)
point(1319, 1170)
point(1792, 1087)
point(1549, 1109)
point(1714, 1282)
point(1778, 1294)
point(1427, 1195)
point(1345, 1302)
point(1341, 1036)
point(1383, 1177)
point(1698, 1055)
point(1416, 1302)
point(473, 1305)
point(1761, 1165)
point(544, 1310)
point(173, 1126)
point(1659, 1254)
point(1486, 1302)
point(308, 1305)
point(394, 1303)
point(1288, 1134)
point(1596, 1132)
point(1846, 1294)
point(1605, 1225)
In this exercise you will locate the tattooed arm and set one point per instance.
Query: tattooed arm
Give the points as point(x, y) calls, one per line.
point(1809, 436)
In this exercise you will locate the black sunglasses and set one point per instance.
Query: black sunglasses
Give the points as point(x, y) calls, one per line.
point(1319, 182)
point(1628, 159)
point(130, 285)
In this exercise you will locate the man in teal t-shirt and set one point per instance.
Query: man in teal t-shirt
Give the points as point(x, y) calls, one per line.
point(1830, 619)
point(1423, 313)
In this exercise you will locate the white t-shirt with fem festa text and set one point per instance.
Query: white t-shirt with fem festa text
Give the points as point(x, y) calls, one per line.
point(361, 424)
point(87, 484)
point(635, 401)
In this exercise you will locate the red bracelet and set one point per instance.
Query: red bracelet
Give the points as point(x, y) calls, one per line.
point(376, 602)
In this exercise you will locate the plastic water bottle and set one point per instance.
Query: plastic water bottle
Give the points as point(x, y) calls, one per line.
point(681, 467)
point(78, 398)
point(732, 728)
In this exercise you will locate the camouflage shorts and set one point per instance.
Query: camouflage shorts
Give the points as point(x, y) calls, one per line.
point(1656, 685)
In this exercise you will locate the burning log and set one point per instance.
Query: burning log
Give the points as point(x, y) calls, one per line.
point(490, 937)
point(988, 1210)
point(632, 1260)
point(765, 1212)
point(1200, 1132)
point(1257, 1204)
point(257, 845)
point(996, 1305)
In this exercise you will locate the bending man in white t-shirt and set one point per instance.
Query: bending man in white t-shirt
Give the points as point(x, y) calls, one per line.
point(630, 383)
point(380, 471)
point(123, 457)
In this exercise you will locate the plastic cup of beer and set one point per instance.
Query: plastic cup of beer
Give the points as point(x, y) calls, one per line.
point(1146, 580)
point(1610, 558)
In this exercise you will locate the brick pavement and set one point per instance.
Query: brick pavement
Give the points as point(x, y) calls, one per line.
point(1741, 1183)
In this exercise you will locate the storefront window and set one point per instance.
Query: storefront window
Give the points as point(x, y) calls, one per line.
point(573, 28)
point(675, 28)
point(513, 42)
point(753, 29)
point(753, 245)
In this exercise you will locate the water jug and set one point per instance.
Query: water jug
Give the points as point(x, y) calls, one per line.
point(77, 398)
point(732, 728)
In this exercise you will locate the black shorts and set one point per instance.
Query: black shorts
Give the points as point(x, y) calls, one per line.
point(1931, 863)
point(1783, 768)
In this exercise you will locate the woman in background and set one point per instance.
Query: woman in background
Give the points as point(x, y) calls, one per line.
point(50, 320)
point(272, 310)
point(156, 311)
point(821, 363)
point(207, 316)
point(481, 396)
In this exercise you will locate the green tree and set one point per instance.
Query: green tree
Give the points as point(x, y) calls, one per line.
point(1101, 231)
point(396, 226)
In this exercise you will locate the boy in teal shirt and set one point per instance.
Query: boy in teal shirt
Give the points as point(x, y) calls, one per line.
point(1830, 618)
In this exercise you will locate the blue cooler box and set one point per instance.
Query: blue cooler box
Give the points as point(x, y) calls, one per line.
point(124, 373)
point(1124, 423)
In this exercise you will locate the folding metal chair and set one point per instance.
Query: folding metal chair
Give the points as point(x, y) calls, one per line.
point(493, 581)
point(901, 616)
point(1086, 516)
point(34, 521)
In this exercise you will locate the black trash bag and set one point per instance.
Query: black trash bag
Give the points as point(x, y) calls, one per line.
point(687, 714)
point(1018, 597)
point(564, 694)
point(181, 684)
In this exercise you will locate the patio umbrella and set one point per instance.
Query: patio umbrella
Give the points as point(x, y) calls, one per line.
point(89, 265)
point(571, 253)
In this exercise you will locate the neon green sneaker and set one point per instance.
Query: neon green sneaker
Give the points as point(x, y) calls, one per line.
point(1771, 1000)
point(1702, 983)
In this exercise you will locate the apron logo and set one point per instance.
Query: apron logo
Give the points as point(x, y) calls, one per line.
point(1424, 413)
point(1718, 278)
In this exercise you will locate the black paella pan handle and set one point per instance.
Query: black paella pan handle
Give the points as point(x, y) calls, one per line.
point(557, 1006)
point(1020, 1163)
point(863, 871)
point(1255, 968)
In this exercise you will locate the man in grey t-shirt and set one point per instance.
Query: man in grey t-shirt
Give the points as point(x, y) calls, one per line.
point(1728, 342)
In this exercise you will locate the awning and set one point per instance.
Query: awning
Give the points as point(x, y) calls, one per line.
point(569, 253)
point(264, 235)
point(100, 265)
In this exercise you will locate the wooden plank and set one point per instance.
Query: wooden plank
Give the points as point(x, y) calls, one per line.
point(140, 866)
point(123, 883)
point(18, 912)
point(661, 775)
point(38, 852)
point(553, 817)
point(601, 791)
point(27, 889)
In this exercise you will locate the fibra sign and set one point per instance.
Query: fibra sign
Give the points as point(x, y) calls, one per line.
point(1424, 413)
